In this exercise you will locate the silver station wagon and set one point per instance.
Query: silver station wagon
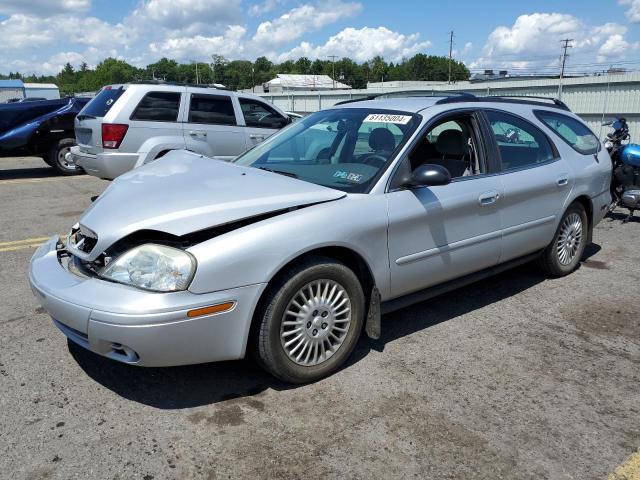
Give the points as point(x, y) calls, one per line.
point(303, 242)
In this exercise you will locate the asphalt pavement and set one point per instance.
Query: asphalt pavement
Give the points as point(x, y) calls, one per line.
point(516, 377)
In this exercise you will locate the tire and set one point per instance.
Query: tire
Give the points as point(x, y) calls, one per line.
point(56, 159)
point(563, 254)
point(324, 346)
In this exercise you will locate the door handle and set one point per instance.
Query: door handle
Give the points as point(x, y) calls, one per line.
point(197, 133)
point(563, 182)
point(488, 198)
point(255, 136)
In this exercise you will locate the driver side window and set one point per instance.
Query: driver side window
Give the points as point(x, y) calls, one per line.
point(452, 143)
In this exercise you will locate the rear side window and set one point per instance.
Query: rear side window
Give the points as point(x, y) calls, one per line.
point(258, 114)
point(102, 103)
point(158, 107)
point(521, 143)
point(573, 132)
point(211, 109)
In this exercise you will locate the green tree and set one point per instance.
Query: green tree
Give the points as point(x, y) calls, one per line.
point(303, 66)
point(163, 69)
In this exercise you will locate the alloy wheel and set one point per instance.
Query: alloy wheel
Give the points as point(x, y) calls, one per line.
point(569, 238)
point(316, 322)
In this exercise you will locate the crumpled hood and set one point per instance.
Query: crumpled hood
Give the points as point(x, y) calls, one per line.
point(184, 192)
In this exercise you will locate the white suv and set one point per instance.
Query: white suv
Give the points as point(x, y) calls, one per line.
point(126, 126)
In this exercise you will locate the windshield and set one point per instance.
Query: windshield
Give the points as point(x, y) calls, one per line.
point(343, 148)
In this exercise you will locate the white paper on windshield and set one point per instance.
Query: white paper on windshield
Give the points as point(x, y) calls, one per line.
point(388, 118)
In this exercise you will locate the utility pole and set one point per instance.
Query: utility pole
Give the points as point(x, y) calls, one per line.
point(213, 68)
point(333, 75)
point(197, 78)
point(567, 44)
point(450, 52)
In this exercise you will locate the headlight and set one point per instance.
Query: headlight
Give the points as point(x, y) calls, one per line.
point(608, 144)
point(152, 267)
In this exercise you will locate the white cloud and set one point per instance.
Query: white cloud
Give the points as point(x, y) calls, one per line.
point(614, 48)
point(43, 7)
point(633, 12)
point(265, 7)
point(202, 47)
point(178, 14)
point(23, 31)
point(467, 48)
point(301, 20)
point(536, 32)
point(362, 45)
point(534, 42)
point(59, 60)
point(20, 32)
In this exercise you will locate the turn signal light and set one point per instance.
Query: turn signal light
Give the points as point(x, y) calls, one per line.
point(113, 134)
point(220, 308)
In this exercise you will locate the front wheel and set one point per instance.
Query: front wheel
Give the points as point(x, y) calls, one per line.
point(56, 157)
point(563, 255)
point(311, 321)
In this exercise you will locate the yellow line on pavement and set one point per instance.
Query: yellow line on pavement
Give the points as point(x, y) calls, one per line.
point(22, 244)
point(629, 470)
point(26, 241)
point(20, 247)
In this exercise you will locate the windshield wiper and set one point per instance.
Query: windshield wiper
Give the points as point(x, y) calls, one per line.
point(281, 172)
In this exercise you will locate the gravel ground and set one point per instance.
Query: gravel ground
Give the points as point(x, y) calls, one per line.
point(516, 377)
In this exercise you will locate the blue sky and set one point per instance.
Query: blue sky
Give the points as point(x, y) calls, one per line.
point(39, 36)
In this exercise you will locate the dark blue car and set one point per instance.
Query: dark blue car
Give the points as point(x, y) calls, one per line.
point(43, 128)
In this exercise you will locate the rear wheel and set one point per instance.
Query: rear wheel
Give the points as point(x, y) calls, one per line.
point(311, 321)
point(563, 255)
point(57, 157)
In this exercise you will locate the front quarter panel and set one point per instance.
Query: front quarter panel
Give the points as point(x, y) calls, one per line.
point(255, 253)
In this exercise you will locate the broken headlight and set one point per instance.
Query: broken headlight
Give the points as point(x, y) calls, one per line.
point(152, 267)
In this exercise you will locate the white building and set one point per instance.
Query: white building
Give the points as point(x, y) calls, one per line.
point(42, 90)
point(285, 82)
point(10, 89)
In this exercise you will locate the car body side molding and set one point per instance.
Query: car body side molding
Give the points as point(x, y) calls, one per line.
point(422, 295)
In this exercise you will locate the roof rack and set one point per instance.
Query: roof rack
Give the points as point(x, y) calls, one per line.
point(445, 97)
point(522, 99)
point(408, 93)
point(534, 100)
point(354, 100)
point(217, 86)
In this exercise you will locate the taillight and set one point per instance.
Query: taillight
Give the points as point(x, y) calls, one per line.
point(113, 134)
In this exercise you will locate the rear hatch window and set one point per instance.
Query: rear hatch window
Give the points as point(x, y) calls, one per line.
point(102, 103)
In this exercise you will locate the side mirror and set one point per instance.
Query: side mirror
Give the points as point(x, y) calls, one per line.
point(429, 175)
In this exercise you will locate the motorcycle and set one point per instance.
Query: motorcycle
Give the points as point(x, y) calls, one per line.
point(625, 159)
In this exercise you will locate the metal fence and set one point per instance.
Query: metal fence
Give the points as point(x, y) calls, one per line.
point(593, 98)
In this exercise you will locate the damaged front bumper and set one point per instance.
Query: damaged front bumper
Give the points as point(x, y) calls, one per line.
point(139, 327)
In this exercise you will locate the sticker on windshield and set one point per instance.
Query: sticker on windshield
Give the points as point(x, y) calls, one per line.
point(388, 118)
point(351, 177)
